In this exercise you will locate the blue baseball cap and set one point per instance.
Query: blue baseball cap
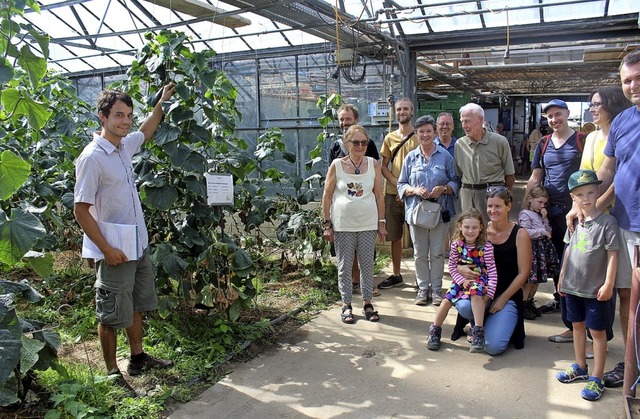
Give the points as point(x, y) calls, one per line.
point(555, 102)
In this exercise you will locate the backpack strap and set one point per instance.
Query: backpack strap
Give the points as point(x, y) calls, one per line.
point(397, 149)
point(581, 138)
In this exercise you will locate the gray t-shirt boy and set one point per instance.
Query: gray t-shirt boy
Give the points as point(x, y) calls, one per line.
point(585, 270)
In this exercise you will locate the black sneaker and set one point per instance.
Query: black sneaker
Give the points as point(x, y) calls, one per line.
point(550, 307)
point(615, 377)
point(116, 377)
point(149, 362)
point(528, 312)
point(390, 282)
point(536, 310)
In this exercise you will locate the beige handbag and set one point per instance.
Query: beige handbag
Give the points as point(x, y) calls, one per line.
point(426, 214)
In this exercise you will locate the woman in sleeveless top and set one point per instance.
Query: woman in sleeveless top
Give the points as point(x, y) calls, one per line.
point(353, 210)
point(505, 321)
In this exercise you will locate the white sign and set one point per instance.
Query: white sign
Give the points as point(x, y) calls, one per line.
point(219, 189)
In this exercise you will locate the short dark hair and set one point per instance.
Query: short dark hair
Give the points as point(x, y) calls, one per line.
point(107, 98)
point(613, 100)
point(630, 59)
point(350, 107)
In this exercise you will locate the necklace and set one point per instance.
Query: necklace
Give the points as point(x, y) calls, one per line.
point(357, 171)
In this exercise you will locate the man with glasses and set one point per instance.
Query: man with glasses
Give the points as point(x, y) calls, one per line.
point(621, 167)
point(395, 147)
point(445, 127)
point(483, 159)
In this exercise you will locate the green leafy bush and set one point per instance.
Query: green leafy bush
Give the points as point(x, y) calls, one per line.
point(25, 345)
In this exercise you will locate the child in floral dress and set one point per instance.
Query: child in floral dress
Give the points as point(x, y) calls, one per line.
point(469, 246)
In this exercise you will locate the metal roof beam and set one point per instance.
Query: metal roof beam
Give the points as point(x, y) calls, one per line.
point(199, 9)
point(575, 30)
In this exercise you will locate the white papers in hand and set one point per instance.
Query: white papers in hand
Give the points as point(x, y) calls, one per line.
point(119, 236)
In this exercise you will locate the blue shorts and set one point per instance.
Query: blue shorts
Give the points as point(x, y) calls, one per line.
point(592, 312)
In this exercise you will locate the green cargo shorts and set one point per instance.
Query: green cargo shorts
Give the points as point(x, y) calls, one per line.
point(124, 289)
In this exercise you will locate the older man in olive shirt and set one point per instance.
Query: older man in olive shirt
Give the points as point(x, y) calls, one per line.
point(483, 159)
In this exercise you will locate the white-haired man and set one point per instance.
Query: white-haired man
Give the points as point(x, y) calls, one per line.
point(483, 159)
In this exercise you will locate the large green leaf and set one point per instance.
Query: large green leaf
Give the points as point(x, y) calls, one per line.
point(161, 198)
point(10, 335)
point(166, 305)
point(174, 266)
point(6, 70)
point(20, 289)
point(198, 186)
point(42, 263)
point(35, 66)
point(195, 163)
point(241, 260)
point(29, 353)
point(19, 103)
point(166, 134)
point(41, 38)
point(18, 234)
point(14, 172)
point(8, 393)
point(177, 152)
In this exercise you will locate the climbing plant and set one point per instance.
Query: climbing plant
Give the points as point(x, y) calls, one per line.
point(202, 253)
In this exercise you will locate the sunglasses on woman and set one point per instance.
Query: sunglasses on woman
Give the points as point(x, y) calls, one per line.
point(359, 143)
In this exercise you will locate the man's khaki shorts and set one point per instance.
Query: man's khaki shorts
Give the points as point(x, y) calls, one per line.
point(394, 214)
point(124, 289)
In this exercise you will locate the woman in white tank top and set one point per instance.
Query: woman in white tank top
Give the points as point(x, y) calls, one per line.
point(353, 210)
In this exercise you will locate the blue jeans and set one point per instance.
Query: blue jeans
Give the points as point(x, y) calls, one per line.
point(498, 327)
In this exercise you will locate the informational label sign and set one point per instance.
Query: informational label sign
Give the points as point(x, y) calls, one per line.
point(219, 188)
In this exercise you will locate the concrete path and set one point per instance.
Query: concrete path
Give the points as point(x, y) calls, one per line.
point(327, 369)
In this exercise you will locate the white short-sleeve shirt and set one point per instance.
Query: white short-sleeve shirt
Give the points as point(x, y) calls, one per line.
point(105, 179)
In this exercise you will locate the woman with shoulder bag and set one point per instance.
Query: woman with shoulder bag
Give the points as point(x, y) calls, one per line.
point(428, 182)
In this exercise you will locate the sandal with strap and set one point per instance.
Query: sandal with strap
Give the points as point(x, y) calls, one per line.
point(347, 314)
point(370, 314)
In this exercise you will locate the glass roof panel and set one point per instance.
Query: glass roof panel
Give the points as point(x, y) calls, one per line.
point(581, 11)
point(620, 7)
point(512, 10)
point(125, 21)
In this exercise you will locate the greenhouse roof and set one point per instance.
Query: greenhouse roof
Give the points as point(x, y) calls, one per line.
point(496, 46)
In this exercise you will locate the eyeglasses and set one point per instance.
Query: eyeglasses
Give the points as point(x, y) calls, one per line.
point(595, 105)
point(361, 143)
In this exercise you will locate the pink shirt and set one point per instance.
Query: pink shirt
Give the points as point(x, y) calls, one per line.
point(533, 222)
